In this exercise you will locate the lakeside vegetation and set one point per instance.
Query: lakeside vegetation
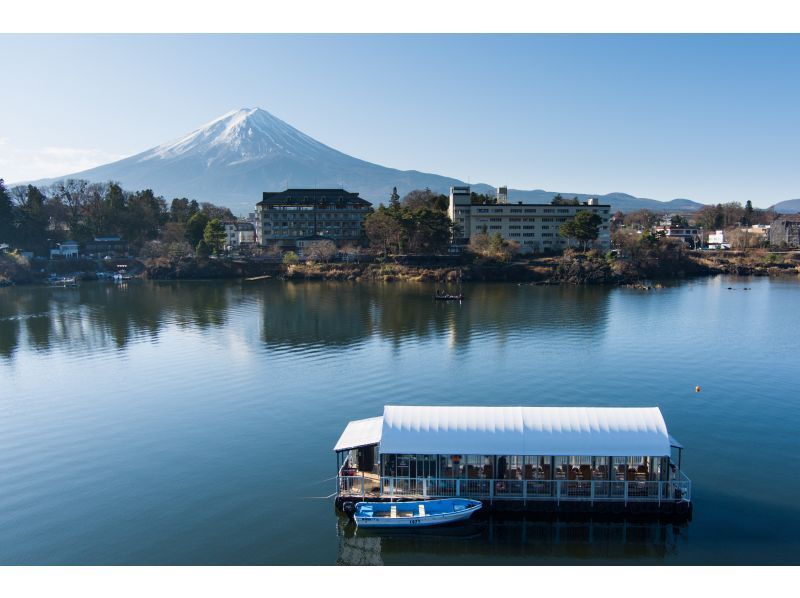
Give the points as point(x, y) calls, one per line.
point(185, 239)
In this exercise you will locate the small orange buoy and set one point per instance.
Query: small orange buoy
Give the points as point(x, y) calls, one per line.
point(697, 389)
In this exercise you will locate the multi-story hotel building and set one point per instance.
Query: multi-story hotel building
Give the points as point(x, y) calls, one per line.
point(284, 217)
point(533, 226)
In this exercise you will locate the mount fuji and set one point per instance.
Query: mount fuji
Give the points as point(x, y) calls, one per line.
point(235, 157)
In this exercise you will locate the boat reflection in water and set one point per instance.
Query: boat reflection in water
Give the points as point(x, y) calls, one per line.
point(510, 539)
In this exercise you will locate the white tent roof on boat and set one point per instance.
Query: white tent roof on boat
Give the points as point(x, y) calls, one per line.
point(361, 432)
point(575, 431)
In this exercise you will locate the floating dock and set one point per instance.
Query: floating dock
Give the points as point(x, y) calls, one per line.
point(582, 460)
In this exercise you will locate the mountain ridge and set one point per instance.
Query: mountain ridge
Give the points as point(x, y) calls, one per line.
point(790, 206)
point(233, 158)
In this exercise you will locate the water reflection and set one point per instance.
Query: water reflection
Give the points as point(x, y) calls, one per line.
point(509, 539)
point(102, 315)
point(342, 314)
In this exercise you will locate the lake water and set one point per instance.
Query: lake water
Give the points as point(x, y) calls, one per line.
point(193, 423)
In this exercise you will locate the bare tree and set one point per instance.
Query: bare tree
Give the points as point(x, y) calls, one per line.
point(384, 231)
point(320, 251)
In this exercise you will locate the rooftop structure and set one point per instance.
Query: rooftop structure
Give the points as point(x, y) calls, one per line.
point(537, 456)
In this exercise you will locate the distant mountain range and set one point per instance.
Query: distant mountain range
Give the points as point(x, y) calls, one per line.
point(790, 206)
point(235, 157)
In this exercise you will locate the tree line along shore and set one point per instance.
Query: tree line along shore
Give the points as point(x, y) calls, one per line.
point(407, 239)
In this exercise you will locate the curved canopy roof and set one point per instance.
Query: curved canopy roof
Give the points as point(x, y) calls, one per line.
point(586, 431)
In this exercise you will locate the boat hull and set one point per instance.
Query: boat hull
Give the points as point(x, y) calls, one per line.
point(426, 519)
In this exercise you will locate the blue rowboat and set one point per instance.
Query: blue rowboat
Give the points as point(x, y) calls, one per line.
point(414, 513)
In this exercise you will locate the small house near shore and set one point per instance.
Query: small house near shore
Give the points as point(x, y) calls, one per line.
point(546, 458)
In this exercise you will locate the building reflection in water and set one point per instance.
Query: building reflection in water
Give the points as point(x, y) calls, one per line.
point(293, 314)
point(513, 540)
point(340, 314)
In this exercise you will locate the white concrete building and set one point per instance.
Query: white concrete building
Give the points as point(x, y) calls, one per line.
point(239, 234)
point(688, 235)
point(67, 249)
point(533, 226)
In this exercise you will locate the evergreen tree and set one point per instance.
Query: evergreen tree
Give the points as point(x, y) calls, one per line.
point(6, 215)
point(214, 235)
point(179, 210)
point(586, 227)
point(202, 249)
point(394, 200)
point(32, 233)
point(195, 228)
point(748, 213)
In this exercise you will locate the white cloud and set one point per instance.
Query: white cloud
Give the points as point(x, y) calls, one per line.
point(18, 164)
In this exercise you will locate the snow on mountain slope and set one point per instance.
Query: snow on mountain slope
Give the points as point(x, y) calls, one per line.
point(239, 136)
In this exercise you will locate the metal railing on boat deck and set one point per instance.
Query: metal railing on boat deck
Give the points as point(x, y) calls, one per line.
point(357, 485)
point(678, 489)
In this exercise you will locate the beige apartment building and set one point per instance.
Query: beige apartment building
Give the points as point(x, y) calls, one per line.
point(533, 226)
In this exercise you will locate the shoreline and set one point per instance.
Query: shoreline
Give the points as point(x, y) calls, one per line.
point(573, 269)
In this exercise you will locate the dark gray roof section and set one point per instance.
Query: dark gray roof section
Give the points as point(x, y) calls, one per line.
point(313, 197)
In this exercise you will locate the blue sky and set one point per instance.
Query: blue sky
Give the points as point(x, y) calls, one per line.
point(713, 118)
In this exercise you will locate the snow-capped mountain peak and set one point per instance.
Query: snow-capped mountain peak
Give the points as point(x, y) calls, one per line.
point(239, 136)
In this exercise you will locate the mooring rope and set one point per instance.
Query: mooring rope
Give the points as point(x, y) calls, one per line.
point(322, 497)
point(320, 481)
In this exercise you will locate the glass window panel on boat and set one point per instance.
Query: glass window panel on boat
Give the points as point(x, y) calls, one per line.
point(409, 466)
point(509, 467)
point(640, 468)
point(519, 467)
point(479, 466)
point(536, 467)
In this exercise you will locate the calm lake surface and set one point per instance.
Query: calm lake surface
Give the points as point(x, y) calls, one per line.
point(193, 423)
